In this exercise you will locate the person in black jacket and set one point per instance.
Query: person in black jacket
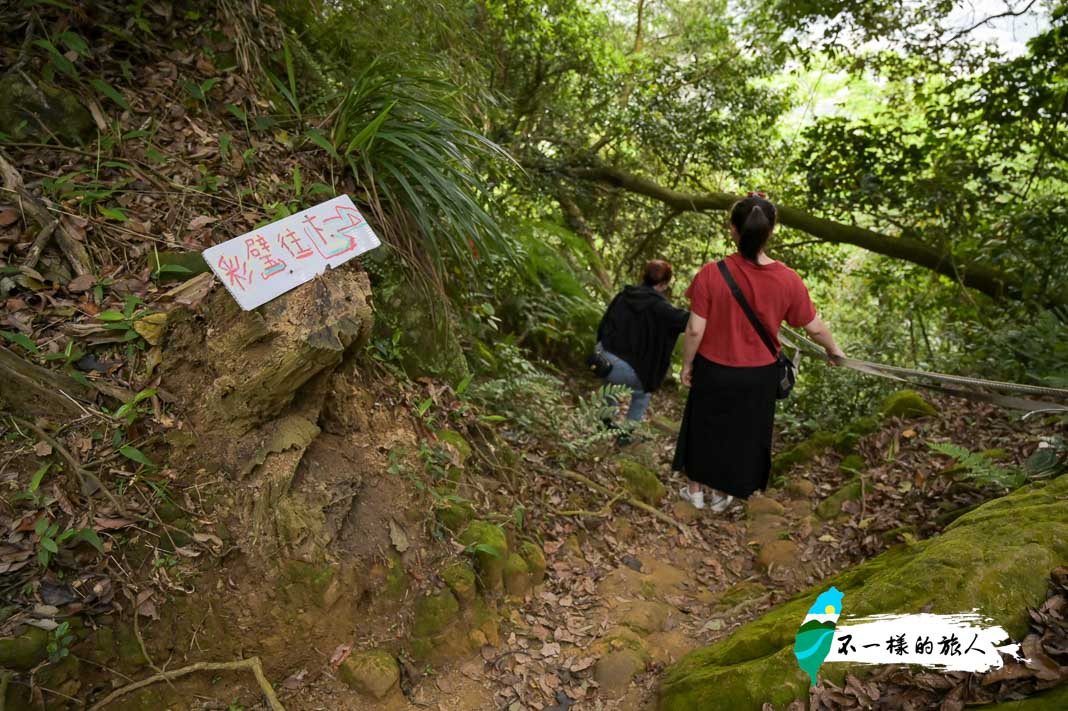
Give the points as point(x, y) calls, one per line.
point(638, 333)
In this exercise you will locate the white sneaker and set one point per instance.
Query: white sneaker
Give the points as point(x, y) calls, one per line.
point(719, 503)
point(696, 500)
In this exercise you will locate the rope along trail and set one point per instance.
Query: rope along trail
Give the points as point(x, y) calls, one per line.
point(1054, 399)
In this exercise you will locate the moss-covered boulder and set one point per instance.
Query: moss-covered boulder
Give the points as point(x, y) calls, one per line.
point(535, 558)
point(455, 515)
point(995, 559)
point(803, 452)
point(641, 480)
point(488, 544)
point(456, 442)
point(374, 673)
point(907, 404)
point(434, 618)
point(460, 578)
point(832, 506)
point(39, 112)
point(24, 650)
point(516, 575)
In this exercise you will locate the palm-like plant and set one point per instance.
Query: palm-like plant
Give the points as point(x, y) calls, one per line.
point(406, 140)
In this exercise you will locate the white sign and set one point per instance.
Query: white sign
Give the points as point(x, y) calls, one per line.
point(269, 261)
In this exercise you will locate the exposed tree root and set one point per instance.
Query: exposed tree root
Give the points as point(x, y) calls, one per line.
point(252, 663)
point(637, 503)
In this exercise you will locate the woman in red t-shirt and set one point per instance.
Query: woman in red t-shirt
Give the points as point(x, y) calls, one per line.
point(725, 439)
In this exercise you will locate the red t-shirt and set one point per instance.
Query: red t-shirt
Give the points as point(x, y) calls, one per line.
point(775, 292)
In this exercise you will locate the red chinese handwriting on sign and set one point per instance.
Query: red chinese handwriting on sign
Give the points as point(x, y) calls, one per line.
point(267, 262)
point(259, 250)
point(235, 272)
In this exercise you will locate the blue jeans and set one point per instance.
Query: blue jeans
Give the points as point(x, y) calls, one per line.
point(623, 374)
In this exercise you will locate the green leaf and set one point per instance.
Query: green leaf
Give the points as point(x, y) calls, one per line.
point(135, 454)
point(49, 545)
point(90, 536)
point(79, 378)
point(38, 476)
point(464, 384)
point(484, 548)
point(112, 213)
point(298, 186)
point(424, 406)
point(41, 526)
point(493, 418)
point(110, 316)
point(74, 41)
point(111, 92)
point(316, 136)
point(61, 63)
point(173, 269)
point(43, 556)
point(21, 340)
point(139, 397)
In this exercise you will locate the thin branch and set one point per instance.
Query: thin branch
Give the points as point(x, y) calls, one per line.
point(252, 663)
point(977, 25)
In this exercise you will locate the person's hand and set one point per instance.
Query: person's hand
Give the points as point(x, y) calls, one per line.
point(833, 356)
point(687, 375)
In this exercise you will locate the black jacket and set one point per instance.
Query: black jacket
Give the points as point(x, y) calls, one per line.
point(641, 327)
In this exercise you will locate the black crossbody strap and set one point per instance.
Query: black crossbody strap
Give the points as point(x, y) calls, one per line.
point(740, 298)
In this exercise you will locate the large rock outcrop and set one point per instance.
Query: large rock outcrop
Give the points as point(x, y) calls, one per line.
point(996, 559)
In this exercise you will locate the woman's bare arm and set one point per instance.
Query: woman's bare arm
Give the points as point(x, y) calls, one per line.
point(818, 331)
point(695, 331)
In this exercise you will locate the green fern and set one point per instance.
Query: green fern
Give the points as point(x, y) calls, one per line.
point(978, 466)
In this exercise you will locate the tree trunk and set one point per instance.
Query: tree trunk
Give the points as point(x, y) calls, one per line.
point(981, 277)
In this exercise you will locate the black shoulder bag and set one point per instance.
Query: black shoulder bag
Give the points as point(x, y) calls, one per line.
point(787, 372)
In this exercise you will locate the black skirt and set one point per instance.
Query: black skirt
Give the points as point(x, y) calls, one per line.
point(725, 438)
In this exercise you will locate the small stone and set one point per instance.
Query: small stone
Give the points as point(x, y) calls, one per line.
point(832, 506)
point(907, 404)
point(644, 616)
point(490, 548)
point(461, 580)
point(762, 505)
point(641, 481)
point(781, 554)
point(767, 529)
point(516, 575)
point(374, 673)
point(535, 559)
point(800, 488)
point(615, 670)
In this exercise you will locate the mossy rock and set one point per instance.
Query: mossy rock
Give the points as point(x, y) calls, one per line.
point(460, 578)
point(434, 613)
point(516, 575)
point(25, 108)
point(456, 441)
point(374, 673)
point(907, 404)
point(803, 452)
point(25, 650)
point(852, 464)
point(485, 624)
point(490, 547)
point(395, 586)
point(641, 480)
point(832, 506)
point(995, 559)
point(455, 515)
point(863, 425)
point(306, 584)
point(535, 558)
point(434, 629)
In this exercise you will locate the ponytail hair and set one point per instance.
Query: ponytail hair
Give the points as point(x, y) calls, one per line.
point(754, 218)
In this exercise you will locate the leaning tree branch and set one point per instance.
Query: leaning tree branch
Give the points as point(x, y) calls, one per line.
point(989, 280)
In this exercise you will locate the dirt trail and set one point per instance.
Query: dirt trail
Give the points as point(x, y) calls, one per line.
point(625, 595)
